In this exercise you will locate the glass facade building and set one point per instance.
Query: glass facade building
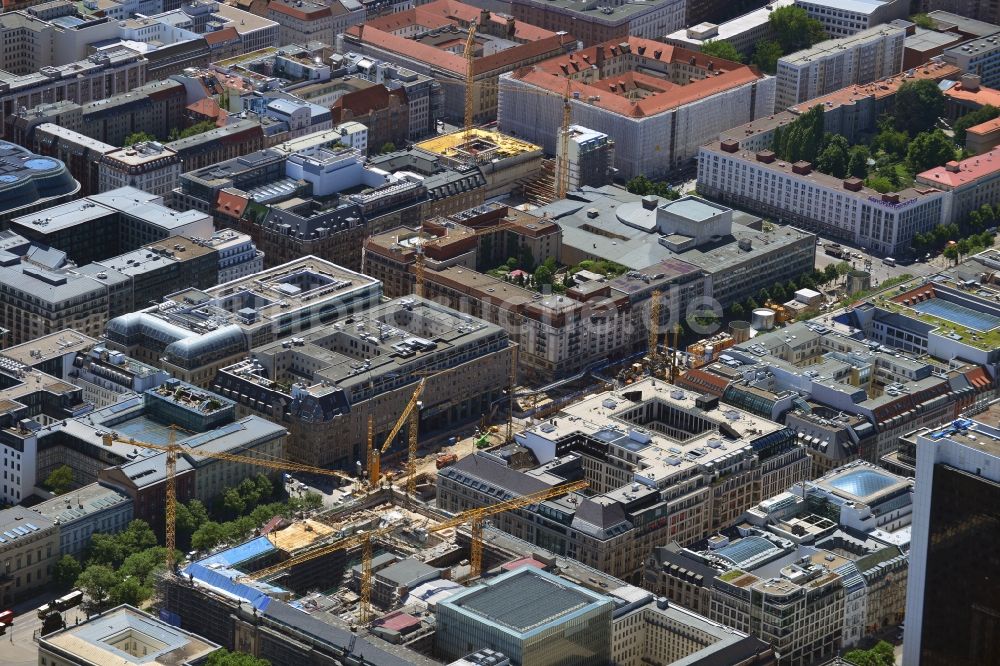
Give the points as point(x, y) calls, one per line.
point(532, 617)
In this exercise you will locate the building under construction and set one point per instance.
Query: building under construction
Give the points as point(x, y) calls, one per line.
point(506, 162)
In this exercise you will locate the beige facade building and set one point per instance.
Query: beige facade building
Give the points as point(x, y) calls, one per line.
point(28, 553)
point(149, 166)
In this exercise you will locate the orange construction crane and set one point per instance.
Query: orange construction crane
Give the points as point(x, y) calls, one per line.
point(375, 455)
point(172, 449)
point(474, 516)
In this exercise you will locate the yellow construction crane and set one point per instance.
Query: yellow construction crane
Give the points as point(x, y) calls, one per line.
point(475, 517)
point(470, 80)
point(562, 179)
point(172, 449)
point(654, 330)
point(375, 455)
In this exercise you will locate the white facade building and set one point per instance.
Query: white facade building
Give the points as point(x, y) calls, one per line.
point(353, 135)
point(743, 32)
point(842, 18)
point(149, 166)
point(837, 63)
point(653, 134)
point(238, 255)
point(794, 193)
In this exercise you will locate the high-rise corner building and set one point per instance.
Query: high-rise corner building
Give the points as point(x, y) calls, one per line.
point(953, 593)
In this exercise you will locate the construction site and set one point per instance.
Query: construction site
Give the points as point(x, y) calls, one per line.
point(361, 583)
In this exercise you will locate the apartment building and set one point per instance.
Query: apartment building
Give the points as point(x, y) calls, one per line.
point(368, 365)
point(799, 195)
point(80, 153)
point(238, 255)
point(658, 469)
point(843, 18)
point(219, 144)
point(303, 21)
point(688, 100)
point(148, 166)
point(863, 57)
point(616, 20)
point(111, 223)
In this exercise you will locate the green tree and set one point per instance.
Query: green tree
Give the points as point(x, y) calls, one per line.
point(96, 581)
point(129, 591)
point(60, 479)
point(928, 150)
point(568, 281)
point(830, 273)
point(138, 137)
point(105, 549)
point(265, 489)
point(750, 305)
point(763, 295)
point(736, 310)
point(778, 293)
point(891, 141)
point(526, 261)
point(137, 537)
point(951, 253)
point(233, 502)
point(543, 275)
point(720, 48)
point(857, 161)
point(794, 29)
point(833, 159)
point(67, 570)
point(802, 139)
point(223, 657)
point(882, 654)
point(208, 536)
point(919, 104)
point(766, 55)
point(388, 147)
point(639, 185)
point(971, 119)
point(880, 184)
point(923, 20)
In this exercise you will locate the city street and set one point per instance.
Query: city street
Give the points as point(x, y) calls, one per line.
point(18, 645)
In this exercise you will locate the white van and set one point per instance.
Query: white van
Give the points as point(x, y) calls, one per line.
point(889, 261)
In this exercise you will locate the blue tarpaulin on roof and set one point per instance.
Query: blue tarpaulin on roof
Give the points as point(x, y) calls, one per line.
point(241, 553)
point(223, 579)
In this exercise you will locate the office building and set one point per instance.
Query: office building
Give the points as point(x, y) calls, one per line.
point(972, 182)
point(111, 223)
point(615, 21)
point(238, 255)
point(963, 18)
point(688, 99)
point(148, 166)
point(97, 77)
point(797, 194)
point(426, 39)
point(110, 377)
point(217, 145)
point(650, 454)
point(194, 333)
point(843, 18)
point(864, 57)
point(127, 636)
point(952, 598)
point(28, 552)
point(526, 614)
point(29, 182)
point(78, 152)
point(646, 629)
point(368, 363)
point(384, 112)
point(735, 250)
point(83, 512)
point(283, 198)
point(743, 32)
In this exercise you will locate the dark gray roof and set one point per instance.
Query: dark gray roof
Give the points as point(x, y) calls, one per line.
point(408, 572)
point(604, 516)
point(493, 473)
point(525, 599)
point(339, 638)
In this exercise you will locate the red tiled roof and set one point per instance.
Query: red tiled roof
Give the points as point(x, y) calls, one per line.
point(398, 621)
point(969, 170)
point(206, 107)
point(220, 36)
point(980, 97)
point(523, 562)
point(230, 204)
point(380, 32)
point(551, 75)
point(988, 127)
point(978, 378)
